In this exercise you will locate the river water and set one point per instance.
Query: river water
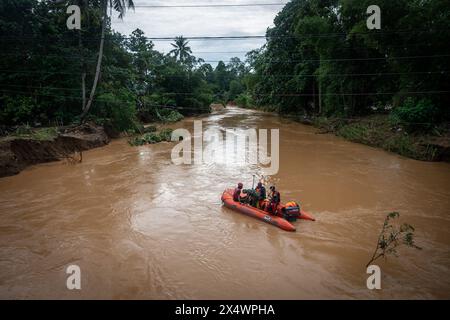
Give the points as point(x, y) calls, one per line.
point(139, 226)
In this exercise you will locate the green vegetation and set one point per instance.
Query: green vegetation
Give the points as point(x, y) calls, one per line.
point(26, 132)
point(416, 115)
point(47, 70)
point(166, 115)
point(386, 88)
point(320, 62)
point(393, 236)
point(151, 137)
point(379, 131)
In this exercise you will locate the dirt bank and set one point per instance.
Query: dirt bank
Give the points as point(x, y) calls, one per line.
point(18, 152)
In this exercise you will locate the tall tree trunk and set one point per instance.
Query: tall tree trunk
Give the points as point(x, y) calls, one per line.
point(99, 63)
point(320, 97)
point(83, 89)
point(314, 94)
point(320, 86)
point(83, 72)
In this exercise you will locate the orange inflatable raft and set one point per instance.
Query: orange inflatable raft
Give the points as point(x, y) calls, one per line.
point(283, 214)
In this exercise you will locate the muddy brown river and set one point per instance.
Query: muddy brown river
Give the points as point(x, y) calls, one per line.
point(139, 226)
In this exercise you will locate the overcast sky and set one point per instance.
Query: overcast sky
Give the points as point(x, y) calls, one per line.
point(212, 21)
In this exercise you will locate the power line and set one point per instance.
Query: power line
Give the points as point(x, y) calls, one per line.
point(276, 94)
point(41, 87)
point(340, 59)
point(76, 55)
point(96, 99)
point(293, 116)
point(246, 37)
point(354, 74)
point(347, 59)
point(329, 94)
point(274, 76)
point(209, 5)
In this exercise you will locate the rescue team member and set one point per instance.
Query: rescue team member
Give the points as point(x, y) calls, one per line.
point(237, 192)
point(261, 192)
point(275, 199)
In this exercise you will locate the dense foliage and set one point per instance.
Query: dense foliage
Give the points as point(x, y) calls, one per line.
point(45, 68)
point(320, 58)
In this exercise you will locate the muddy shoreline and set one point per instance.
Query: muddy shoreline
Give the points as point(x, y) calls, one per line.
point(376, 131)
point(17, 152)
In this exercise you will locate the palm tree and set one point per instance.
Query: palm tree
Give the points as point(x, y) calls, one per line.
point(181, 51)
point(121, 7)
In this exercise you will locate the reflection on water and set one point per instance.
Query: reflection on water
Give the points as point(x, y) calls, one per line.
point(141, 227)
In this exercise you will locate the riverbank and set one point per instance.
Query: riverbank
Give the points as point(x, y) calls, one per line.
point(33, 146)
point(39, 145)
point(380, 132)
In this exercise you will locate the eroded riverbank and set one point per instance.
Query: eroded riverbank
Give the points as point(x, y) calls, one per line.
point(141, 227)
point(19, 152)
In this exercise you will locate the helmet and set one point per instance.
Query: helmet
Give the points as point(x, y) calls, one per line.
point(240, 185)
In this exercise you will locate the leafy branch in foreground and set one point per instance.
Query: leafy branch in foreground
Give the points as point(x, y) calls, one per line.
point(391, 237)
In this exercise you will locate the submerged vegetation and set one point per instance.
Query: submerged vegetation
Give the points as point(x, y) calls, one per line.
point(391, 237)
point(151, 137)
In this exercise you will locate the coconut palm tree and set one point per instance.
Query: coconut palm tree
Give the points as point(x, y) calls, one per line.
point(181, 51)
point(121, 7)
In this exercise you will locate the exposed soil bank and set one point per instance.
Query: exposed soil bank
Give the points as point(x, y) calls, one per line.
point(18, 152)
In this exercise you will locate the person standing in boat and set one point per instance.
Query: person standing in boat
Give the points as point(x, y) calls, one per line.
point(261, 192)
point(237, 192)
point(275, 199)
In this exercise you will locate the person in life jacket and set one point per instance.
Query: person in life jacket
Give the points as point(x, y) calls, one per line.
point(261, 192)
point(275, 199)
point(237, 192)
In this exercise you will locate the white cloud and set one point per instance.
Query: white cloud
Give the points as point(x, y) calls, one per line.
point(209, 21)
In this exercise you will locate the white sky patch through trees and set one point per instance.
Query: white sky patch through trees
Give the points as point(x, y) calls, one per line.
point(203, 21)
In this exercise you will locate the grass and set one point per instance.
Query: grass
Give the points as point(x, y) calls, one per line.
point(379, 131)
point(43, 134)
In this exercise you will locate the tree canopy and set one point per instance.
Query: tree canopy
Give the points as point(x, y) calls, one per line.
point(319, 59)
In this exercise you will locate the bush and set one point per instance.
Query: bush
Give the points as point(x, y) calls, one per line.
point(18, 110)
point(244, 100)
point(120, 108)
point(152, 137)
point(236, 88)
point(166, 134)
point(168, 115)
point(415, 115)
point(149, 129)
point(356, 133)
